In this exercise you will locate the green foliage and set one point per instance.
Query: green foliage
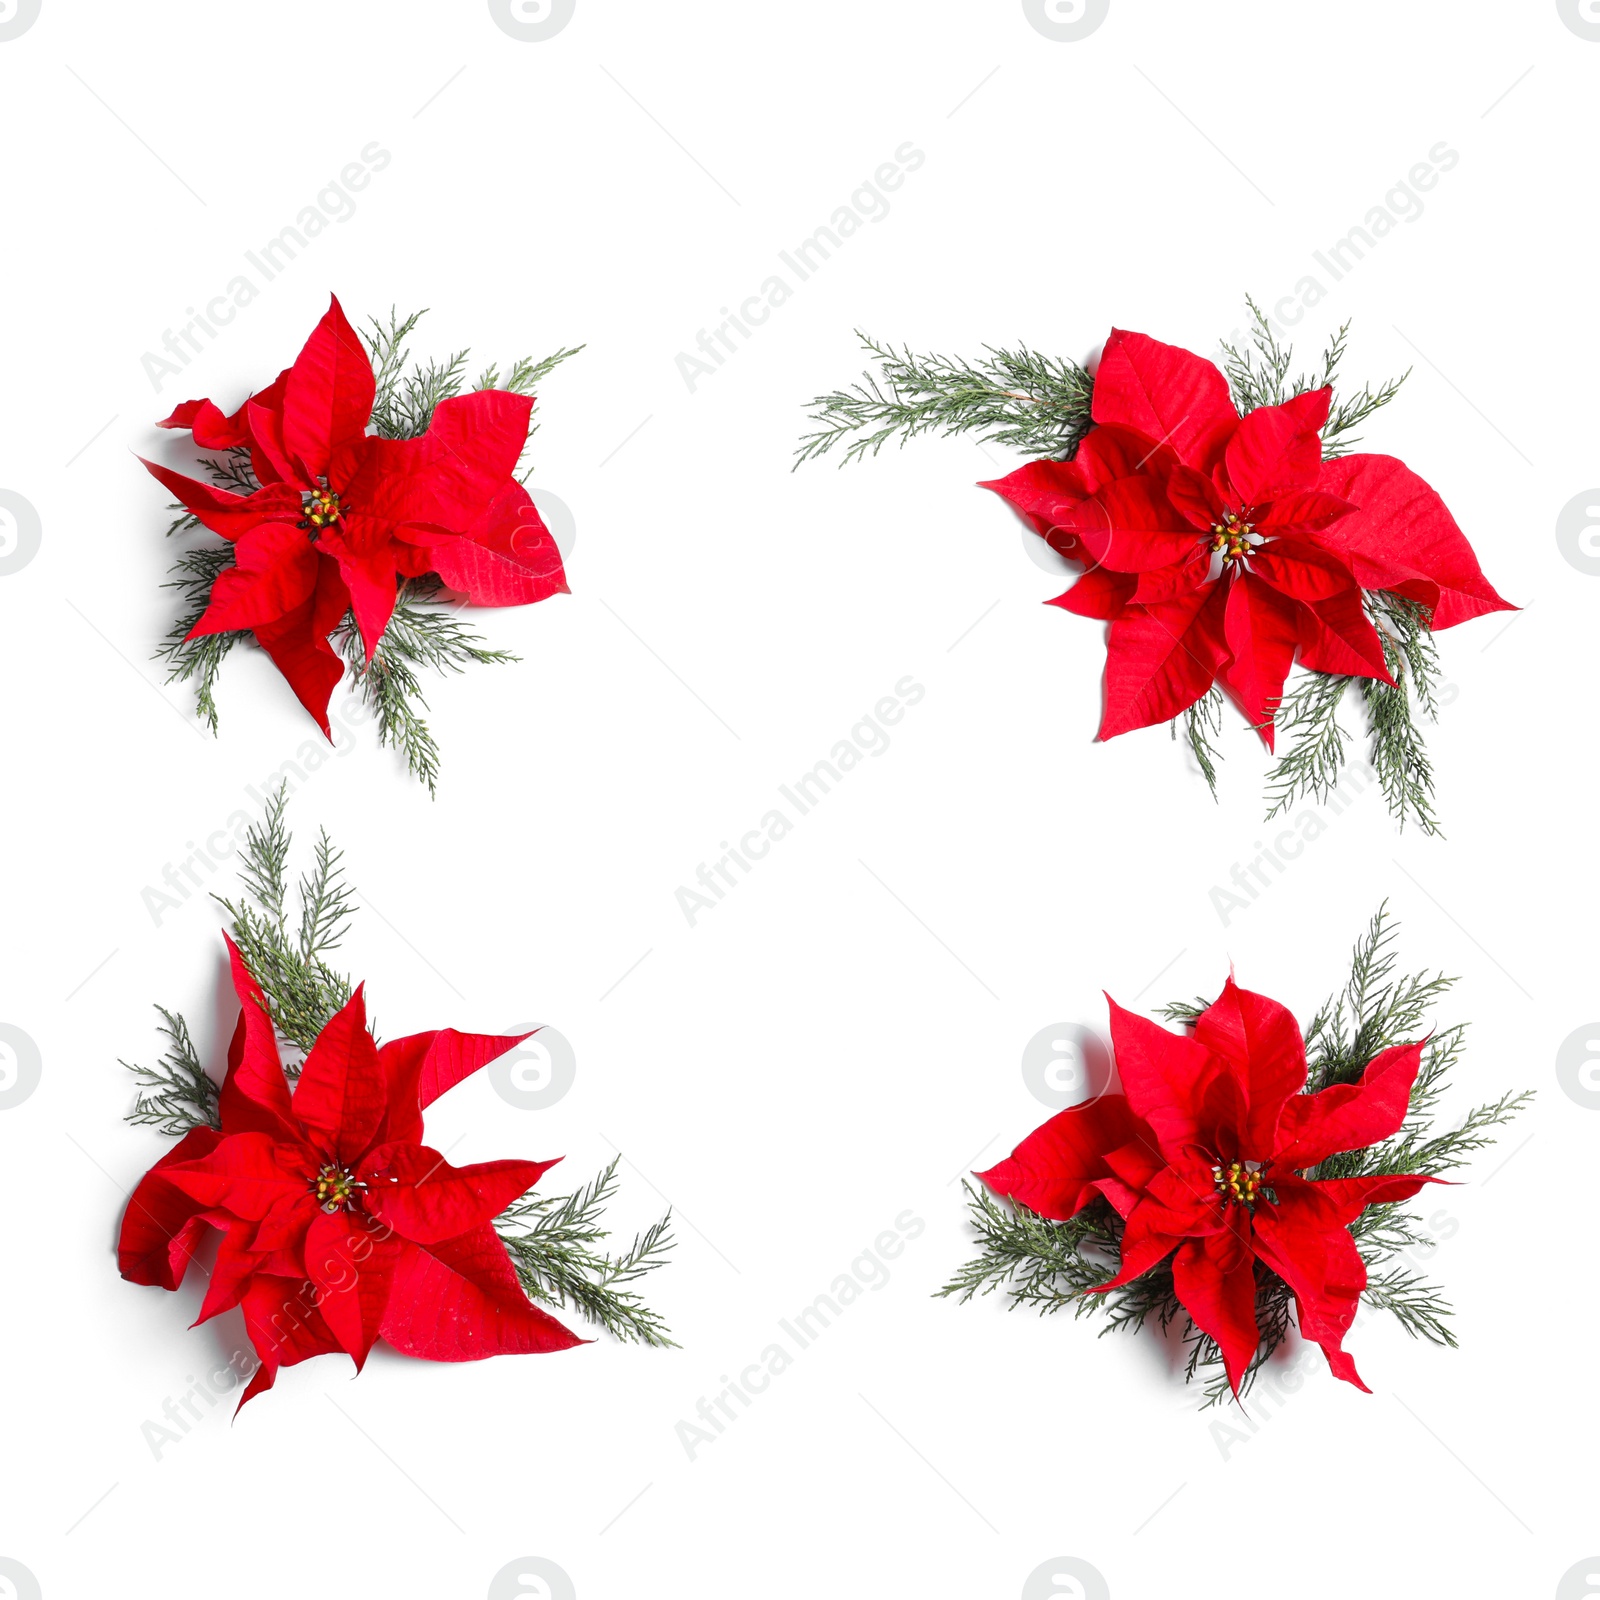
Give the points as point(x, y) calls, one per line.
point(177, 1093)
point(1202, 724)
point(425, 631)
point(1315, 753)
point(200, 660)
point(287, 939)
point(290, 959)
point(1258, 375)
point(1052, 1266)
point(552, 1242)
point(1017, 398)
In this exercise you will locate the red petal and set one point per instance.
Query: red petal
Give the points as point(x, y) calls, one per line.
point(328, 396)
point(368, 556)
point(351, 1260)
point(1168, 394)
point(1349, 1197)
point(1350, 1116)
point(212, 430)
point(1262, 630)
point(245, 1175)
point(230, 1277)
point(161, 1226)
point(229, 514)
point(1055, 1169)
point(284, 1325)
point(1277, 450)
point(1130, 526)
point(255, 1094)
point(1402, 538)
point(1321, 1265)
point(274, 573)
point(422, 1066)
point(298, 643)
point(459, 1300)
point(269, 457)
point(451, 475)
point(1303, 513)
point(1040, 491)
point(1144, 1246)
point(1337, 636)
point(1303, 570)
point(507, 557)
point(1160, 659)
point(1262, 1039)
point(424, 1199)
point(1194, 495)
point(1220, 1300)
point(1163, 1075)
point(1098, 594)
point(342, 1093)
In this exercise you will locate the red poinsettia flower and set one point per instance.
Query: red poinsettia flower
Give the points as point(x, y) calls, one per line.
point(343, 517)
point(1218, 546)
point(1203, 1156)
point(338, 1224)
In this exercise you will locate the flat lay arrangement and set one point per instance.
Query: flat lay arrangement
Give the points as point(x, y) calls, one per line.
point(1108, 488)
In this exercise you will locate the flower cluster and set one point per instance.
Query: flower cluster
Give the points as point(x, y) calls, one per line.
point(341, 518)
point(339, 1225)
point(1219, 547)
point(1204, 1156)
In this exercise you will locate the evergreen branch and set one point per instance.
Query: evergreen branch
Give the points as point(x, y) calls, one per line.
point(193, 574)
point(407, 392)
point(1308, 717)
point(1417, 1304)
point(234, 472)
point(423, 632)
point(1398, 757)
point(552, 1243)
point(176, 1094)
point(1203, 723)
point(1018, 398)
point(301, 989)
point(526, 374)
point(1258, 375)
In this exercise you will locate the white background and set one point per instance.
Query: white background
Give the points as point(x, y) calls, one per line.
point(841, 1037)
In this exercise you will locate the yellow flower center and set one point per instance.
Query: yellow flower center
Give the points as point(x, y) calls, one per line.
point(335, 1187)
point(1230, 538)
point(321, 508)
point(1238, 1182)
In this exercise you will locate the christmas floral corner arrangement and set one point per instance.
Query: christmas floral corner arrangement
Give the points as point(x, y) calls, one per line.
point(1224, 531)
point(355, 494)
point(1245, 1178)
point(338, 1224)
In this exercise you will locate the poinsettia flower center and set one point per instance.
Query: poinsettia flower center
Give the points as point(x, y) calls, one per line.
point(1233, 538)
point(336, 1187)
point(321, 508)
point(1239, 1183)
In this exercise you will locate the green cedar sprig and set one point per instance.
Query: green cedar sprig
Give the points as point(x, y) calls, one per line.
point(1051, 1266)
point(288, 941)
